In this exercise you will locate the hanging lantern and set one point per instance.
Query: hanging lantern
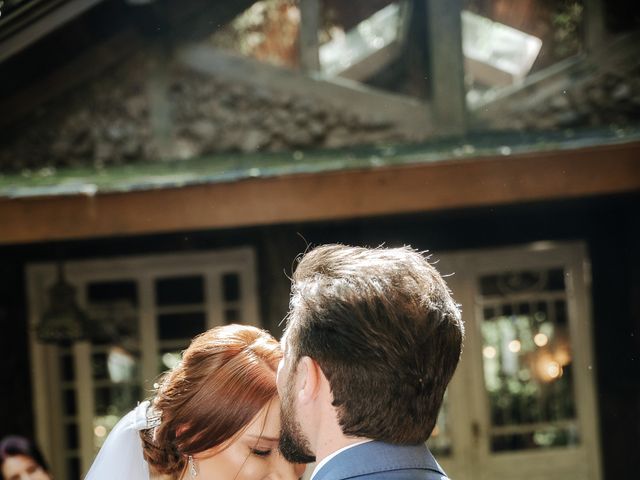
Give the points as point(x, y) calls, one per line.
point(64, 322)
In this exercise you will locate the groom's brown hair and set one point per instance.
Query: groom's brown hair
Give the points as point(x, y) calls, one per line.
point(384, 329)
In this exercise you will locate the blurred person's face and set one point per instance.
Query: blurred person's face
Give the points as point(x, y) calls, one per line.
point(253, 455)
point(22, 467)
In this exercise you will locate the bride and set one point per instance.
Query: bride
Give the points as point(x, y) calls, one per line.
point(214, 416)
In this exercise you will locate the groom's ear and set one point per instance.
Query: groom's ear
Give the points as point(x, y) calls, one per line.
point(310, 375)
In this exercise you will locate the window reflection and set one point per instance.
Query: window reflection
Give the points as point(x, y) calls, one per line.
point(504, 42)
point(111, 403)
point(115, 353)
point(527, 362)
point(348, 50)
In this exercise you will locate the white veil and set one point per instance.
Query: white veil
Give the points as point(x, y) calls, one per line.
point(121, 455)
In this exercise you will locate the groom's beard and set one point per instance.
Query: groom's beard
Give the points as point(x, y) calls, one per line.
point(294, 446)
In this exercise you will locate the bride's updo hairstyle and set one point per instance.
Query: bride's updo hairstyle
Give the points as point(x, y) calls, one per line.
point(226, 376)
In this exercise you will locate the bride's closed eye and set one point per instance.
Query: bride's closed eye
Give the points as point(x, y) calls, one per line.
point(261, 453)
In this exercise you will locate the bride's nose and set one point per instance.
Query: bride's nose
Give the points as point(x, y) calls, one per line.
point(283, 470)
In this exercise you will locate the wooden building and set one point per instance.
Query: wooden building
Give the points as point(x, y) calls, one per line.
point(174, 169)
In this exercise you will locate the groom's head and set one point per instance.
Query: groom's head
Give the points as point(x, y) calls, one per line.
point(380, 328)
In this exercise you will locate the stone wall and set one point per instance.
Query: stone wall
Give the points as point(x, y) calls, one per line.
point(606, 99)
point(148, 110)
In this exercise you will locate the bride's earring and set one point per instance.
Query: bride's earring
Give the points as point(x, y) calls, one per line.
point(193, 468)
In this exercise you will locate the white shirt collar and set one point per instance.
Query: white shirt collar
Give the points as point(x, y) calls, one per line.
point(324, 461)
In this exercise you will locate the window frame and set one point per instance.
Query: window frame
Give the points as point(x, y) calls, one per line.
point(471, 456)
point(50, 420)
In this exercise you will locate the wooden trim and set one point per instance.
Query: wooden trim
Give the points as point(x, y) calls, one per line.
point(327, 196)
point(85, 399)
point(41, 27)
point(143, 270)
point(596, 32)
point(408, 115)
point(448, 94)
point(469, 379)
point(148, 326)
point(45, 377)
point(585, 386)
point(308, 35)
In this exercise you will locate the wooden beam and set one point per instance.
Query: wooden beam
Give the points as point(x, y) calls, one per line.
point(42, 26)
point(595, 30)
point(409, 115)
point(308, 44)
point(446, 73)
point(160, 111)
point(327, 196)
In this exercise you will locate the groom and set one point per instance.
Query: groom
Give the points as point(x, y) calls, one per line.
point(372, 339)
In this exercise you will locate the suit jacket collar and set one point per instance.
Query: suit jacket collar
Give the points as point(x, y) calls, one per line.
point(372, 457)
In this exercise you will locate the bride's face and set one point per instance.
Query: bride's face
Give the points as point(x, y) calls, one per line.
point(253, 455)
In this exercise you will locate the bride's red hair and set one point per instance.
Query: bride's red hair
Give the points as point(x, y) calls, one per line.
point(227, 375)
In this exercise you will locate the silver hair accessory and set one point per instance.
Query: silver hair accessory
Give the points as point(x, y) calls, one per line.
point(154, 417)
point(145, 416)
point(193, 468)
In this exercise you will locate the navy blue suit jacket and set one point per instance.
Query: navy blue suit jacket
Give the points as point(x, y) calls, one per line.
point(378, 460)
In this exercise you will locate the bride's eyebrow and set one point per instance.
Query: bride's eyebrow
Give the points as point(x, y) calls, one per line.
point(262, 437)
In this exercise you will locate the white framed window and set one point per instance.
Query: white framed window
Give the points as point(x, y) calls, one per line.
point(522, 403)
point(147, 309)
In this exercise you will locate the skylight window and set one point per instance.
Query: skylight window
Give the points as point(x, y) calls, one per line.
point(497, 54)
point(380, 31)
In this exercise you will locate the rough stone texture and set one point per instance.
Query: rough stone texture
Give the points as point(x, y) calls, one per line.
point(106, 122)
point(602, 99)
point(147, 112)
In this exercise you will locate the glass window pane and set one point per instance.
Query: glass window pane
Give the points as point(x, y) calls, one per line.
point(111, 403)
point(72, 436)
point(113, 307)
point(353, 32)
point(73, 467)
point(231, 287)
point(67, 368)
point(99, 366)
point(489, 285)
point(180, 325)
point(180, 290)
point(523, 308)
point(527, 361)
point(543, 437)
point(488, 313)
point(505, 42)
point(561, 312)
point(507, 310)
point(551, 280)
point(69, 401)
point(117, 365)
point(113, 291)
point(115, 399)
point(555, 280)
point(232, 315)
